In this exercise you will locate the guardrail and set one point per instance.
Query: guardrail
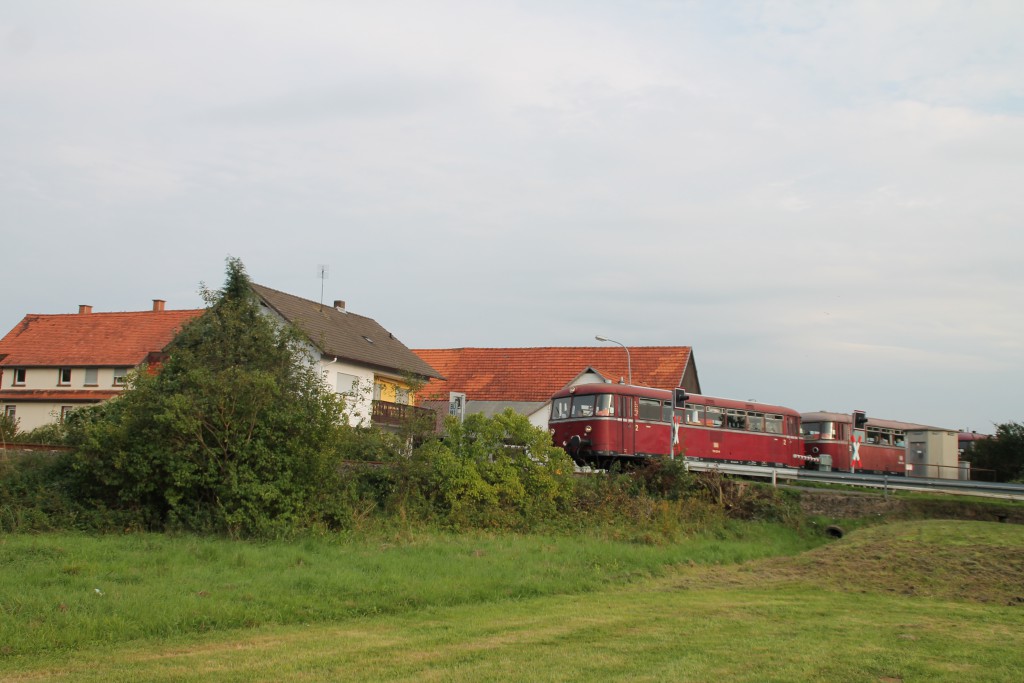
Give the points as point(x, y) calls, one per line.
point(984, 489)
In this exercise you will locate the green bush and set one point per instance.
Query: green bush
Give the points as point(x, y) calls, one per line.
point(235, 434)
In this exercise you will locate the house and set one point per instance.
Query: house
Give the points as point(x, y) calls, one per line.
point(377, 373)
point(490, 380)
point(51, 364)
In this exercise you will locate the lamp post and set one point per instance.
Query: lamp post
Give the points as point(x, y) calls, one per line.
point(629, 363)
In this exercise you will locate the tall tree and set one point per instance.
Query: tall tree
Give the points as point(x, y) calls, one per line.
point(1003, 453)
point(235, 433)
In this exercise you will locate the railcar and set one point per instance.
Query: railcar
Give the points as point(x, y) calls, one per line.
point(836, 440)
point(601, 424)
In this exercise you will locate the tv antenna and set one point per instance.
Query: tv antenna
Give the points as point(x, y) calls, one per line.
point(322, 271)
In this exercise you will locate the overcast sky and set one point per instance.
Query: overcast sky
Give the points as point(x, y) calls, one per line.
point(824, 199)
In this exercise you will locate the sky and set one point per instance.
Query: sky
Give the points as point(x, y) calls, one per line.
point(823, 199)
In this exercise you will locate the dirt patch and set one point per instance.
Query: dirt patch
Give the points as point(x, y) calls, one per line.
point(940, 559)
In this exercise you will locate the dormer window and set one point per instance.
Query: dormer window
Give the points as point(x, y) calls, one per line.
point(64, 377)
point(19, 377)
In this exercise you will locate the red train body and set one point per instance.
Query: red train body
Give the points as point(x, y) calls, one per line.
point(879, 447)
point(599, 424)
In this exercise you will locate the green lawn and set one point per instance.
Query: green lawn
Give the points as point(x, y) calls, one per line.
point(910, 601)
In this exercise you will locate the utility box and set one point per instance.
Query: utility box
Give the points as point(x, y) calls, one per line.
point(933, 453)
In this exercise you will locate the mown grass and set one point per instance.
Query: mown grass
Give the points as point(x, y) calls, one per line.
point(64, 591)
point(824, 615)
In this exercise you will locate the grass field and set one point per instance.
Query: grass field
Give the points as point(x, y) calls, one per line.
point(909, 601)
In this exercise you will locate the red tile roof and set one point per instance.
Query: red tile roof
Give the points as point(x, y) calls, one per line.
point(90, 339)
point(534, 374)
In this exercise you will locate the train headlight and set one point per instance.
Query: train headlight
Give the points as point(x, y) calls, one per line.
point(552, 430)
point(587, 429)
point(564, 444)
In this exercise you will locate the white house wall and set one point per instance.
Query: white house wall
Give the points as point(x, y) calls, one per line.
point(358, 395)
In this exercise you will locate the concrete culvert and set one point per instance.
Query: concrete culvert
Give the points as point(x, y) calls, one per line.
point(834, 531)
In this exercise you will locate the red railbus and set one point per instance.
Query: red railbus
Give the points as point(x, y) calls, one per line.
point(599, 424)
point(833, 440)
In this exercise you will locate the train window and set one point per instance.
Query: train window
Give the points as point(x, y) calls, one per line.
point(715, 417)
point(899, 439)
point(650, 409)
point(755, 422)
point(694, 414)
point(605, 405)
point(560, 408)
point(666, 411)
point(735, 419)
point(773, 424)
point(583, 406)
point(811, 430)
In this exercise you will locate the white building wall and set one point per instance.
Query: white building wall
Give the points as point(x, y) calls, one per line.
point(354, 384)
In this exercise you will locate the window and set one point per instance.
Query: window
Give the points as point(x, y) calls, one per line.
point(650, 409)
point(90, 377)
point(378, 391)
point(583, 406)
point(64, 377)
point(715, 417)
point(346, 384)
point(736, 419)
point(65, 411)
point(773, 424)
point(666, 411)
point(10, 411)
point(694, 414)
point(560, 408)
point(605, 405)
point(755, 422)
point(19, 377)
point(402, 396)
point(120, 376)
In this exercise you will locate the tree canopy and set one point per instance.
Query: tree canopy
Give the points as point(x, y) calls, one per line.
point(1003, 453)
point(235, 432)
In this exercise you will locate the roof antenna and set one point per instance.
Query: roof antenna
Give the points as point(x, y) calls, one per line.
point(322, 272)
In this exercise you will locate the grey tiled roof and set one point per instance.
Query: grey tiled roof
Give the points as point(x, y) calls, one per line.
point(347, 336)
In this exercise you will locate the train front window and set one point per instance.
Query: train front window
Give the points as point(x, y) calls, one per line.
point(605, 405)
point(811, 430)
point(583, 406)
point(560, 408)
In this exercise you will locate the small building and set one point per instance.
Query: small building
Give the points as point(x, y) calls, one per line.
point(932, 452)
point(52, 364)
point(375, 372)
point(489, 380)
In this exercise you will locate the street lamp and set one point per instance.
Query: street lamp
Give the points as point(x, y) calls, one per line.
point(629, 363)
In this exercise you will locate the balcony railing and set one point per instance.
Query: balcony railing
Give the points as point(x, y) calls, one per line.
point(387, 414)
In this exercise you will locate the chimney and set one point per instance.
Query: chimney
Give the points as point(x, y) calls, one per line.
point(158, 305)
point(84, 308)
point(339, 305)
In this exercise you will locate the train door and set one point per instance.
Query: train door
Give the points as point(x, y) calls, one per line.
point(627, 409)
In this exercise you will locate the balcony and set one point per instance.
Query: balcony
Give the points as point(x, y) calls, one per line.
point(387, 414)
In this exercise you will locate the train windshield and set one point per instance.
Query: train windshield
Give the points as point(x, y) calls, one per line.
point(819, 430)
point(583, 406)
point(568, 407)
point(560, 408)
